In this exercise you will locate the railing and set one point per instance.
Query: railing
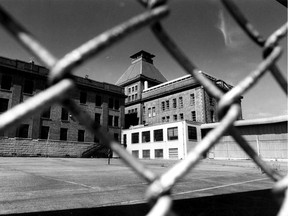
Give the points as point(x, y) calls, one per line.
point(158, 191)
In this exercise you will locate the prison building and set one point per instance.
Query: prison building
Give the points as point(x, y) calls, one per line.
point(171, 140)
point(21, 80)
point(151, 99)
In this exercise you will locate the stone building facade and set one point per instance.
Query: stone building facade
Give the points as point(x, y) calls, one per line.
point(102, 101)
point(151, 99)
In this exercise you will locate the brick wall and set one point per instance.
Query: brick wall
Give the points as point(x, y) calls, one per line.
point(31, 147)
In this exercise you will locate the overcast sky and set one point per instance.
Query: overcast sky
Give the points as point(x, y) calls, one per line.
point(202, 28)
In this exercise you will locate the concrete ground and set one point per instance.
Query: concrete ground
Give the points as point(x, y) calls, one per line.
point(53, 184)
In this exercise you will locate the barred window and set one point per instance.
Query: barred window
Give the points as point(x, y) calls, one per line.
point(158, 153)
point(158, 135)
point(181, 102)
point(145, 136)
point(146, 153)
point(174, 103)
point(193, 115)
point(172, 133)
point(163, 106)
point(135, 138)
point(192, 99)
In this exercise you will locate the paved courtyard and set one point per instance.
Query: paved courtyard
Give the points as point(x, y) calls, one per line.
point(47, 184)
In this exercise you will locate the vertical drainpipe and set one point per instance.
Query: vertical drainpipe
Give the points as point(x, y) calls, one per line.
point(184, 139)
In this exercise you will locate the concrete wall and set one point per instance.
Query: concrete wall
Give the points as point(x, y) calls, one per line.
point(268, 137)
point(31, 147)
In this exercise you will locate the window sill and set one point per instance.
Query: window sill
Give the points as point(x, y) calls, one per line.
point(6, 90)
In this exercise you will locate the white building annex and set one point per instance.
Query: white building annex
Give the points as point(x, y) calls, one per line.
point(162, 141)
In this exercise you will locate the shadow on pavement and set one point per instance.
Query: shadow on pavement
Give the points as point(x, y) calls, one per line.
point(254, 203)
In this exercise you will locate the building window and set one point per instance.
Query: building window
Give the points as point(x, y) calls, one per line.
point(116, 121)
point(111, 103)
point(110, 120)
point(28, 86)
point(135, 138)
point(158, 153)
point(172, 133)
point(129, 90)
point(192, 99)
point(129, 98)
point(167, 105)
point(116, 137)
point(23, 130)
point(158, 135)
point(6, 82)
point(125, 140)
point(163, 119)
point(146, 153)
point(117, 104)
point(153, 111)
point(81, 134)
point(163, 105)
point(132, 97)
point(173, 153)
point(63, 133)
point(181, 102)
point(97, 118)
point(192, 133)
point(144, 111)
point(145, 136)
point(44, 132)
point(3, 104)
point(193, 115)
point(135, 110)
point(132, 88)
point(64, 115)
point(136, 96)
point(83, 97)
point(149, 112)
point(174, 103)
point(181, 116)
point(212, 116)
point(211, 101)
point(136, 88)
point(135, 153)
point(46, 113)
point(98, 100)
point(167, 118)
point(175, 117)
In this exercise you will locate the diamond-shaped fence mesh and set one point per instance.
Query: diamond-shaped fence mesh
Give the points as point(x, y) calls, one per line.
point(158, 191)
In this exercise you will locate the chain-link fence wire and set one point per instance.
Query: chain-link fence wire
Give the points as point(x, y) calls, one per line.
point(158, 191)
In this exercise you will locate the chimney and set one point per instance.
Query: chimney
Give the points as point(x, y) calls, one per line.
point(142, 55)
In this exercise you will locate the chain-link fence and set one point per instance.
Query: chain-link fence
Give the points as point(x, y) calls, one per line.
point(158, 191)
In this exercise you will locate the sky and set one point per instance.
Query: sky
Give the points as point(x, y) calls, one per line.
point(203, 29)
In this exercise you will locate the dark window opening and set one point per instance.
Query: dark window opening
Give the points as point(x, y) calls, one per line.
point(28, 86)
point(3, 104)
point(116, 137)
point(6, 82)
point(158, 135)
point(83, 97)
point(97, 118)
point(192, 133)
point(146, 153)
point(44, 132)
point(117, 104)
point(63, 133)
point(110, 120)
point(158, 153)
point(98, 100)
point(116, 121)
point(111, 103)
point(46, 113)
point(81, 134)
point(135, 138)
point(23, 130)
point(125, 140)
point(145, 136)
point(64, 114)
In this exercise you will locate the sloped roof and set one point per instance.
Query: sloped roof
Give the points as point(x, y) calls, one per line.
point(141, 67)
